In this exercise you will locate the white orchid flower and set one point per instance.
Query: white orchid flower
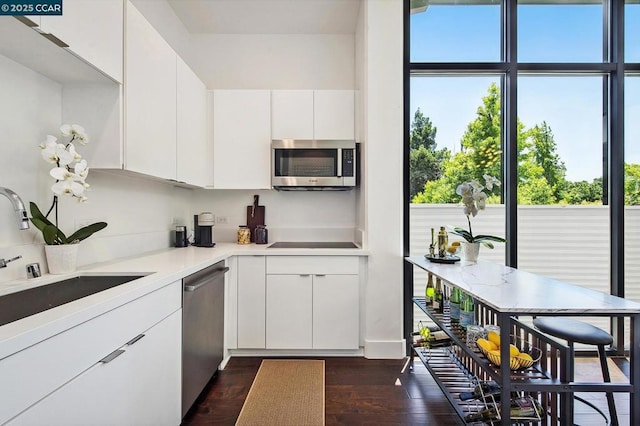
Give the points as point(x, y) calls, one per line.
point(481, 199)
point(68, 187)
point(81, 169)
point(72, 150)
point(463, 189)
point(490, 181)
point(56, 153)
point(49, 142)
point(61, 173)
point(76, 131)
point(82, 199)
point(470, 209)
point(49, 151)
point(476, 185)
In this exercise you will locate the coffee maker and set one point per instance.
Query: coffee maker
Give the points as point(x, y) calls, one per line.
point(203, 229)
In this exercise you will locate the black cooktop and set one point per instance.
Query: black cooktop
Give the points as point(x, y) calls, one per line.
point(314, 244)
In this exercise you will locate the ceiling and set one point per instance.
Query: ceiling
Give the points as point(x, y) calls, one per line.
point(268, 16)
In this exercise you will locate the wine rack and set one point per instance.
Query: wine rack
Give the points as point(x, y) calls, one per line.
point(459, 368)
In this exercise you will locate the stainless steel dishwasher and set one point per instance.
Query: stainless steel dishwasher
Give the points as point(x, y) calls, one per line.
point(202, 330)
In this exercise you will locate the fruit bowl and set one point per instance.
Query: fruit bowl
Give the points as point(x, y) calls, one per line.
point(527, 356)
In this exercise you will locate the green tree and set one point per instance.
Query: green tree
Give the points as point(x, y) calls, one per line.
point(425, 162)
point(632, 184)
point(541, 173)
point(423, 132)
point(544, 148)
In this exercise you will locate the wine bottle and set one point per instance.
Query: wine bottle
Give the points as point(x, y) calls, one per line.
point(466, 310)
point(481, 391)
point(454, 304)
point(429, 291)
point(438, 298)
point(521, 408)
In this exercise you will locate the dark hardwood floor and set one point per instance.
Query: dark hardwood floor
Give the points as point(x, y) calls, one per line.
point(360, 391)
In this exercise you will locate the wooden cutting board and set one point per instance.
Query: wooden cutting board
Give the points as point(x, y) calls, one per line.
point(255, 216)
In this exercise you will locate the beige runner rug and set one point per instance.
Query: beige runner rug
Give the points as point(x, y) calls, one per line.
point(285, 392)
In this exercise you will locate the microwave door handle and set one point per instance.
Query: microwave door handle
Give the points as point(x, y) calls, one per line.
point(339, 161)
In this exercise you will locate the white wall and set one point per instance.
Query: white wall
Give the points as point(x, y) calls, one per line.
point(289, 216)
point(383, 191)
point(139, 212)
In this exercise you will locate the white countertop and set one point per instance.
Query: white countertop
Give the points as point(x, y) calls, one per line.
point(510, 290)
point(161, 268)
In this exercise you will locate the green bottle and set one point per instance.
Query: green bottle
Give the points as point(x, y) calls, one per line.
point(438, 299)
point(454, 304)
point(429, 292)
point(466, 310)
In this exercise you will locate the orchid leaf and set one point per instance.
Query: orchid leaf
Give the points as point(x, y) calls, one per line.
point(53, 235)
point(37, 214)
point(86, 232)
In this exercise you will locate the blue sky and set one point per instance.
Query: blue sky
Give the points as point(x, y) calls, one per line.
point(571, 105)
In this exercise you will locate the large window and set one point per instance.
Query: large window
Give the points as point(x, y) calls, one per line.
point(560, 32)
point(536, 101)
point(446, 32)
point(632, 30)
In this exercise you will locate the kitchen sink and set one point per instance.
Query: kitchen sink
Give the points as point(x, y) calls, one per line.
point(15, 306)
point(314, 244)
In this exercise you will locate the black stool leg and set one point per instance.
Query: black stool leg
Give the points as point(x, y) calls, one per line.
point(607, 379)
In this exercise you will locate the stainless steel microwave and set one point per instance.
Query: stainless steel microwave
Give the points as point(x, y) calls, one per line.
point(313, 164)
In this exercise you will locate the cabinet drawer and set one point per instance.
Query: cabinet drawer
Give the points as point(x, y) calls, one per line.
point(347, 265)
point(33, 373)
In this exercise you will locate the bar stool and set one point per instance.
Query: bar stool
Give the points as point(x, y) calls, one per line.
point(579, 332)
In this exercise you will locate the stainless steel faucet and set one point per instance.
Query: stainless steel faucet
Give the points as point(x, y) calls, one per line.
point(3, 263)
point(18, 206)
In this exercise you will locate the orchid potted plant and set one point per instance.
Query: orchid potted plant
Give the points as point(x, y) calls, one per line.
point(70, 172)
point(474, 199)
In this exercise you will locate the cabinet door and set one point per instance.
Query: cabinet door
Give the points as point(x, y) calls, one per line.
point(334, 114)
point(251, 302)
point(335, 312)
point(242, 139)
point(93, 30)
point(292, 114)
point(289, 320)
point(150, 99)
point(191, 125)
point(141, 386)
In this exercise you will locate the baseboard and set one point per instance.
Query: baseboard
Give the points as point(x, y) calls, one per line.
point(295, 352)
point(384, 349)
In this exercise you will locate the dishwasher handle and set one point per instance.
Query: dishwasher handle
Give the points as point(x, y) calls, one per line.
point(205, 280)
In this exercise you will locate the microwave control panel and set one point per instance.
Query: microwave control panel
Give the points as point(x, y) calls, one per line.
point(347, 162)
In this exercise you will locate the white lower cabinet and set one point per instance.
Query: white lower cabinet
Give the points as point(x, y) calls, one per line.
point(135, 385)
point(102, 372)
point(335, 312)
point(312, 302)
point(251, 302)
point(289, 319)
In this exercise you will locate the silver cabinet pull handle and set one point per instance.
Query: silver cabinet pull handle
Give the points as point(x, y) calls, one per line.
point(135, 339)
point(320, 275)
point(113, 355)
point(304, 275)
point(205, 280)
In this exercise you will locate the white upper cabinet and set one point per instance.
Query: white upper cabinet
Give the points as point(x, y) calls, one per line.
point(150, 99)
point(241, 139)
point(93, 30)
point(292, 114)
point(313, 114)
point(334, 114)
point(192, 161)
